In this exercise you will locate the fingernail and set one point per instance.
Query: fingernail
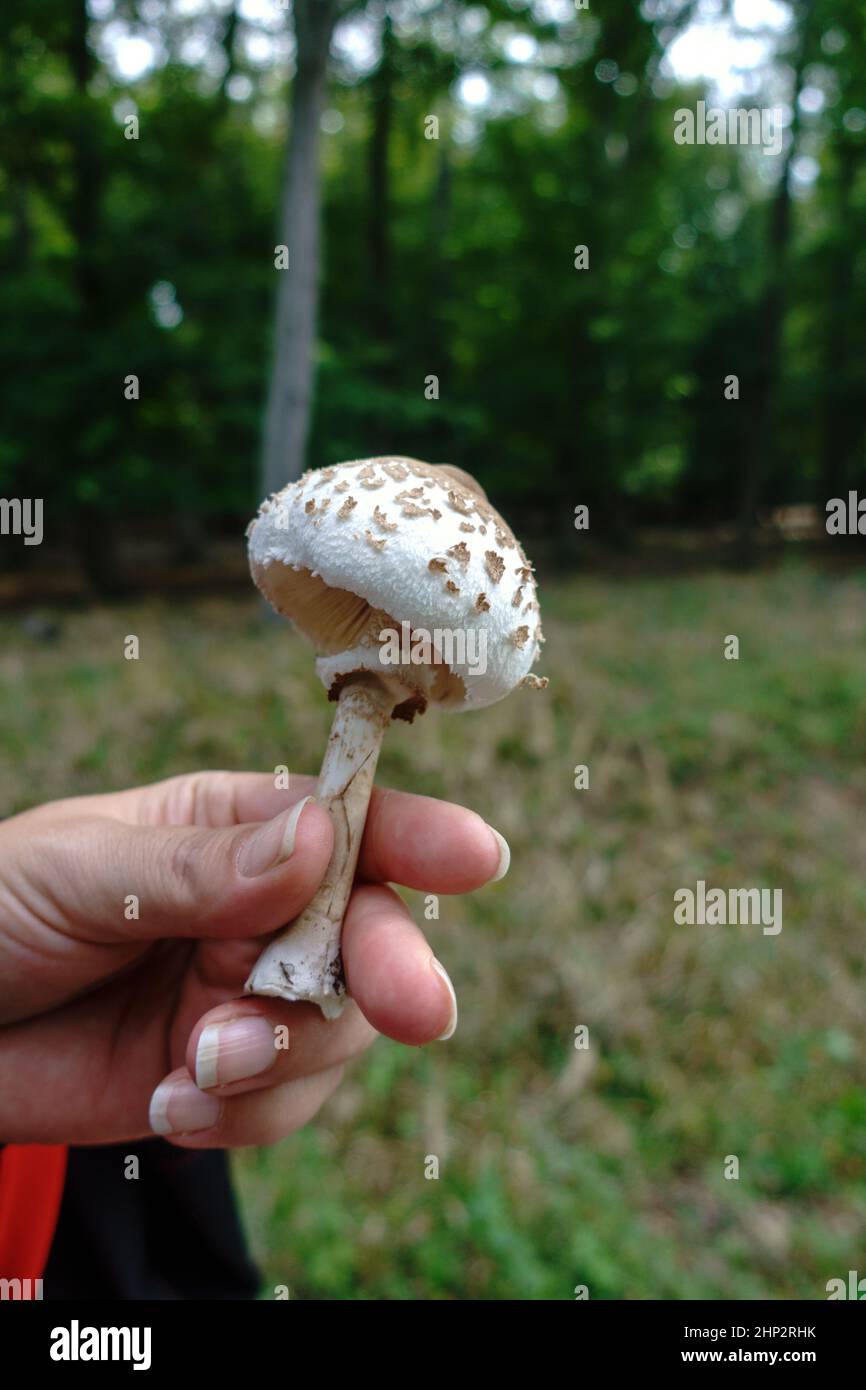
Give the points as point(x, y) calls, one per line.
point(234, 1051)
point(452, 1022)
point(179, 1107)
point(271, 844)
point(504, 855)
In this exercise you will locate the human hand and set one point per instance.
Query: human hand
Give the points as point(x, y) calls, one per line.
point(106, 1019)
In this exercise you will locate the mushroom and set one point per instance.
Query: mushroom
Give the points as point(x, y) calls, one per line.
point(415, 593)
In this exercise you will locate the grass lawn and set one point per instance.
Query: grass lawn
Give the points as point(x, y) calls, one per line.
point(557, 1166)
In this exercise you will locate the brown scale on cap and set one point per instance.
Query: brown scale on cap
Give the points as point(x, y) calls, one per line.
point(438, 567)
point(367, 477)
point(381, 520)
point(520, 637)
point(460, 553)
point(459, 502)
point(494, 565)
point(467, 497)
point(347, 508)
point(396, 471)
point(411, 509)
point(481, 604)
point(421, 470)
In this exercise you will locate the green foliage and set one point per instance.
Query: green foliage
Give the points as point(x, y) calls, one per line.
point(455, 259)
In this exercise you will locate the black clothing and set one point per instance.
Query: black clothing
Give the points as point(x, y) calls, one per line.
point(172, 1233)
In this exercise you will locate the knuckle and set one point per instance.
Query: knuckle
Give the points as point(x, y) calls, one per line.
point(199, 798)
point(213, 798)
point(189, 871)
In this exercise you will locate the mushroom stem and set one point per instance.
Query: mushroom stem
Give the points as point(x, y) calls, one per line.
point(304, 962)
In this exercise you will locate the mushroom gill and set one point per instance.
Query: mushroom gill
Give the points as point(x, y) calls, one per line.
point(336, 620)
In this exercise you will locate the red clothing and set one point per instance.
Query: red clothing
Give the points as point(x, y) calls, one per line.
point(31, 1188)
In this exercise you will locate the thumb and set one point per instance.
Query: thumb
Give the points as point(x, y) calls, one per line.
point(111, 881)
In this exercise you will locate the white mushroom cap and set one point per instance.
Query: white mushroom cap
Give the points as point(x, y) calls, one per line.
point(392, 545)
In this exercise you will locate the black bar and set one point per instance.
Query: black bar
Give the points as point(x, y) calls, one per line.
point(280, 1336)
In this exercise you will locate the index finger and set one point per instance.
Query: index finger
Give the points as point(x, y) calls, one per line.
point(417, 841)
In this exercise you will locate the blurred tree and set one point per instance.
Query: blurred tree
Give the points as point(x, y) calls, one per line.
point(762, 383)
point(287, 412)
point(379, 212)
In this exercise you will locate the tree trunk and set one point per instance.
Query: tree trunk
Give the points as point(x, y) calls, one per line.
point(95, 530)
point(379, 224)
point(841, 418)
point(770, 322)
point(227, 42)
point(287, 414)
point(770, 318)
